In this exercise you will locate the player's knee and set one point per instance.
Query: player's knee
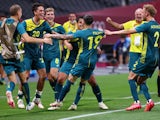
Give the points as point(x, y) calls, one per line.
point(42, 76)
point(61, 80)
point(92, 83)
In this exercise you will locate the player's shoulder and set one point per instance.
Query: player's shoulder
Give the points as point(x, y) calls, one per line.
point(56, 25)
point(9, 20)
point(130, 22)
point(66, 23)
point(43, 22)
point(28, 20)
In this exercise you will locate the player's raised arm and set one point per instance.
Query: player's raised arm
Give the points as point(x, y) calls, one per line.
point(114, 24)
point(108, 32)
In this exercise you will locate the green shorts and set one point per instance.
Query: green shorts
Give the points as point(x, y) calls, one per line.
point(133, 57)
point(145, 69)
point(53, 63)
point(66, 67)
point(34, 63)
point(11, 65)
point(83, 71)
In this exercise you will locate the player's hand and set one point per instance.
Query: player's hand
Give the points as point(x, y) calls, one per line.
point(99, 51)
point(22, 40)
point(48, 40)
point(47, 35)
point(108, 32)
point(69, 46)
point(108, 19)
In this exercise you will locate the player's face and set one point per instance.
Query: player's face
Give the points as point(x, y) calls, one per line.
point(139, 15)
point(80, 24)
point(39, 13)
point(145, 13)
point(19, 13)
point(72, 18)
point(49, 16)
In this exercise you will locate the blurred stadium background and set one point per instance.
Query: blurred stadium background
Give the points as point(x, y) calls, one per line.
point(119, 10)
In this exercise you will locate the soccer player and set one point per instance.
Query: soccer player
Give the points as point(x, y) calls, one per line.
point(148, 60)
point(14, 64)
point(136, 43)
point(33, 58)
point(86, 58)
point(2, 72)
point(64, 72)
point(71, 24)
point(52, 53)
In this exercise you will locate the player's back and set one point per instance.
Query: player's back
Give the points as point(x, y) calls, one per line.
point(151, 34)
point(89, 40)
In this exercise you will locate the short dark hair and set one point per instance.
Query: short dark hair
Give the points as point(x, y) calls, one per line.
point(79, 17)
point(36, 5)
point(14, 9)
point(88, 19)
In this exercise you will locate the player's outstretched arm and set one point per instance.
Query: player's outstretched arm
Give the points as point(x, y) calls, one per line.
point(59, 36)
point(27, 38)
point(108, 32)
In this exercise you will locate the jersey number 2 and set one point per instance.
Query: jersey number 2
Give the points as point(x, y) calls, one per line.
point(156, 35)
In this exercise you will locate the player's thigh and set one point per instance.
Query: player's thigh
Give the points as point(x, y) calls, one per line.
point(87, 73)
point(144, 69)
point(61, 77)
point(12, 77)
point(11, 66)
point(66, 67)
point(27, 63)
point(54, 67)
point(47, 65)
point(133, 57)
point(92, 81)
point(38, 63)
point(78, 70)
point(54, 72)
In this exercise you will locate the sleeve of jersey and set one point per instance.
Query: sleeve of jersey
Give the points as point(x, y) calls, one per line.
point(77, 34)
point(142, 28)
point(62, 30)
point(21, 29)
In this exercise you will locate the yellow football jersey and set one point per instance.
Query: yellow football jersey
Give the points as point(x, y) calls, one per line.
point(69, 27)
point(136, 38)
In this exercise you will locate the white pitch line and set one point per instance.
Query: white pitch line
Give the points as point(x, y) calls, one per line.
point(97, 113)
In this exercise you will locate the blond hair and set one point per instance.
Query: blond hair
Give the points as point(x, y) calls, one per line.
point(150, 9)
point(14, 9)
point(49, 10)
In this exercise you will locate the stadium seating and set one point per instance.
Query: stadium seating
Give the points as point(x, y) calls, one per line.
point(63, 7)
